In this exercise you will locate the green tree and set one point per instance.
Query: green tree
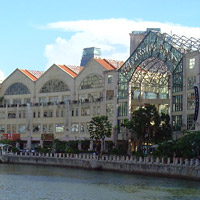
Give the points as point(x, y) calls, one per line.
point(99, 129)
point(149, 126)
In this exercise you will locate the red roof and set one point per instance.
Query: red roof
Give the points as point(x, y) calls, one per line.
point(68, 70)
point(27, 73)
point(105, 64)
point(76, 69)
point(110, 64)
point(116, 63)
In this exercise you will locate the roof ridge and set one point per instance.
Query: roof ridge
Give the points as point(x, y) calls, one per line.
point(70, 68)
point(109, 63)
point(27, 73)
point(31, 73)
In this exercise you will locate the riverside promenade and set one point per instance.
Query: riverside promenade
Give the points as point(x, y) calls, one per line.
point(175, 168)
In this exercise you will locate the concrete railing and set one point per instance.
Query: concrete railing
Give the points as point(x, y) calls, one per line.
point(114, 158)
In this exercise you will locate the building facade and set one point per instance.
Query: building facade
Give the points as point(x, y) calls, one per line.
point(38, 107)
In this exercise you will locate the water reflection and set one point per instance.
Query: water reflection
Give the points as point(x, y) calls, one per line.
point(21, 182)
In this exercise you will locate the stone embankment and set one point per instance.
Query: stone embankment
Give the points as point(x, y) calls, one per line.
point(177, 167)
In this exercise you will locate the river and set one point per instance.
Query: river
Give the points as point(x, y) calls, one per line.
point(26, 182)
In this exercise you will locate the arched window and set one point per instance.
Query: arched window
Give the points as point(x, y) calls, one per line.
point(17, 88)
point(92, 81)
point(54, 86)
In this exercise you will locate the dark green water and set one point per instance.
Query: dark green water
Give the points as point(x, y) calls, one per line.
point(18, 182)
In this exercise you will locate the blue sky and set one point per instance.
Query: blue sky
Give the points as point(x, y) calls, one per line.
point(38, 33)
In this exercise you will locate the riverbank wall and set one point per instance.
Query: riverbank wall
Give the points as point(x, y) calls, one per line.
point(177, 167)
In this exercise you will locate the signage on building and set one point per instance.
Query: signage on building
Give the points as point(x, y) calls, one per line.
point(47, 137)
point(196, 110)
point(11, 136)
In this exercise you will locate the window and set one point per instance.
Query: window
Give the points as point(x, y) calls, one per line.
point(190, 101)
point(82, 127)
point(38, 114)
point(59, 128)
point(177, 122)
point(17, 88)
point(122, 109)
point(65, 98)
point(190, 82)
point(14, 129)
point(109, 94)
point(50, 128)
point(42, 100)
point(45, 114)
point(2, 128)
point(11, 115)
point(62, 113)
point(92, 81)
point(54, 99)
point(8, 128)
point(87, 126)
point(110, 78)
point(57, 113)
point(54, 86)
point(178, 103)
point(85, 111)
point(109, 109)
point(7, 101)
point(17, 101)
point(36, 128)
point(27, 100)
point(191, 63)
point(48, 113)
point(76, 111)
point(2, 115)
point(190, 122)
point(44, 128)
point(22, 114)
point(34, 114)
point(21, 128)
point(74, 127)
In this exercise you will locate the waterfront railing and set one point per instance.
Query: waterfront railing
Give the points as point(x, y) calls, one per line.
point(114, 158)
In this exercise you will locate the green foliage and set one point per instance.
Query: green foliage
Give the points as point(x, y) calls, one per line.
point(10, 142)
point(117, 151)
point(165, 149)
point(60, 146)
point(39, 149)
point(85, 144)
point(187, 147)
point(14, 149)
point(100, 127)
point(148, 125)
point(69, 150)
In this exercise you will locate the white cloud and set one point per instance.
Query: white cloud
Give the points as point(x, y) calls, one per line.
point(111, 35)
point(2, 76)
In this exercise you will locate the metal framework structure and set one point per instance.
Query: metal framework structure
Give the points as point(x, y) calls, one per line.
point(155, 68)
point(156, 58)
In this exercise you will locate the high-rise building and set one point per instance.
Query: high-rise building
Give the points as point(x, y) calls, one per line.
point(88, 53)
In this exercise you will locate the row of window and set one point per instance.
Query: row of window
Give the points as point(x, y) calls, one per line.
point(177, 122)
point(43, 100)
point(21, 128)
point(52, 86)
point(44, 128)
point(35, 114)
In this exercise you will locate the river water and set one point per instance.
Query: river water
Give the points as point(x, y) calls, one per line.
point(26, 182)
